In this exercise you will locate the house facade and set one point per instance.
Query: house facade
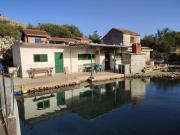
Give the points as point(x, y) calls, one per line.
point(72, 57)
point(121, 37)
point(126, 38)
point(67, 55)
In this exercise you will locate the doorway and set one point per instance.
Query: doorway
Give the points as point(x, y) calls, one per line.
point(59, 62)
point(107, 61)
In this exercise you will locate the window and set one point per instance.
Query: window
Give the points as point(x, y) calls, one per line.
point(37, 40)
point(56, 42)
point(85, 56)
point(132, 40)
point(43, 105)
point(40, 58)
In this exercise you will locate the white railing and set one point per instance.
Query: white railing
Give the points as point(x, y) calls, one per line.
point(8, 103)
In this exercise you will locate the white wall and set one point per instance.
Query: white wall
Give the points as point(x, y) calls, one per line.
point(31, 111)
point(138, 88)
point(147, 55)
point(27, 59)
point(16, 57)
point(126, 39)
point(24, 56)
point(30, 106)
point(137, 63)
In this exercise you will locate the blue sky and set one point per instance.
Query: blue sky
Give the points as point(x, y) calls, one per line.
point(142, 16)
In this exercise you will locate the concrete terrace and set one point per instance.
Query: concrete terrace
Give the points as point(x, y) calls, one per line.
point(25, 84)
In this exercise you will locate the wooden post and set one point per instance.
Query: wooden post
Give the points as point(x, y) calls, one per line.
point(91, 64)
point(114, 60)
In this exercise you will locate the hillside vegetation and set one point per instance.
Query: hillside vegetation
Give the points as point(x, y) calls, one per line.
point(56, 30)
point(165, 43)
point(10, 28)
point(10, 31)
point(13, 29)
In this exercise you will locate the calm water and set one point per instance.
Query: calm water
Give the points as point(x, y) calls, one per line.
point(136, 107)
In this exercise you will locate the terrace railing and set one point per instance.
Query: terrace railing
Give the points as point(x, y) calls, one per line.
point(9, 105)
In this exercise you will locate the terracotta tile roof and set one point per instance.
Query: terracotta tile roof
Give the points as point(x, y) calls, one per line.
point(82, 38)
point(64, 39)
point(31, 32)
point(125, 31)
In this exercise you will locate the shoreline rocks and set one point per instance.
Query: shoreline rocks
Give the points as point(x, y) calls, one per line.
point(174, 75)
point(72, 84)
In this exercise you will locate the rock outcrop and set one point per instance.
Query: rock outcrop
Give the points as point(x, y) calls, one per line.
point(5, 44)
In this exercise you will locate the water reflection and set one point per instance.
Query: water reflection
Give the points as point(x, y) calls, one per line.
point(88, 102)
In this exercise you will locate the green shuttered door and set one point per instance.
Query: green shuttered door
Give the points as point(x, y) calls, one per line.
point(58, 62)
point(60, 98)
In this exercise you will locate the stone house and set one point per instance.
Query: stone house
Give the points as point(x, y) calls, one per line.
point(35, 36)
point(125, 38)
point(121, 37)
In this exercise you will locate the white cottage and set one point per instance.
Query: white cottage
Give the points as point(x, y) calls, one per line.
point(61, 55)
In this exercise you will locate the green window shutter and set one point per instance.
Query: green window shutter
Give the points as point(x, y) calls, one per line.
point(40, 58)
point(46, 104)
point(80, 56)
point(36, 58)
point(43, 105)
point(40, 105)
point(85, 56)
point(43, 58)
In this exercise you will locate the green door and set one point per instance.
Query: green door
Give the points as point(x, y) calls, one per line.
point(58, 62)
point(60, 98)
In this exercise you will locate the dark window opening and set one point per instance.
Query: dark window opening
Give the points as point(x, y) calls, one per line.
point(85, 56)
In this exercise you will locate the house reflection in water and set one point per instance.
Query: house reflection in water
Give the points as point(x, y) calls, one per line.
point(88, 102)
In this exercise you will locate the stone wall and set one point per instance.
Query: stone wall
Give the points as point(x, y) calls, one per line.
point(117, 37)
point(113, 37)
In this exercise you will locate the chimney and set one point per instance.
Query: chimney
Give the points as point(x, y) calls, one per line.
point(136, 48)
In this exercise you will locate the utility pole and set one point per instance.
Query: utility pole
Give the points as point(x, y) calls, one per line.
point(114, 60)
point(92, 69)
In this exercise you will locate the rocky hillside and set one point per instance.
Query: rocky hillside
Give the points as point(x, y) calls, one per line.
point(9, 33)
point(4, 19)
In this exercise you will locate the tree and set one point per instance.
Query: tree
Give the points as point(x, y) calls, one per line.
point(61, 30)
point(164, 42)
point(75, 32)
point(30, 26)
point(95, 37)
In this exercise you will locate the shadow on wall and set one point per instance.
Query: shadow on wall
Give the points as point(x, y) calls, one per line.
point(6, 59)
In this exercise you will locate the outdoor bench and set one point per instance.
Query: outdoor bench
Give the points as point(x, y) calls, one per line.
point(47, 71)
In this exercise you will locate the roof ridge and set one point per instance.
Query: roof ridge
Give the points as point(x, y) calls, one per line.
point(127, 31)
